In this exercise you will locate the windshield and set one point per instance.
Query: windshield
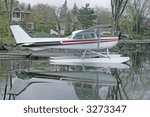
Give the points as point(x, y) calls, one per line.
point(70, 36)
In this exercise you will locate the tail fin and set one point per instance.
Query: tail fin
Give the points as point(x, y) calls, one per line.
point(20, 35)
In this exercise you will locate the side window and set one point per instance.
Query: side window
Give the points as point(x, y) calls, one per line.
point(92, 35)
point(79, 36)
point(87, 36)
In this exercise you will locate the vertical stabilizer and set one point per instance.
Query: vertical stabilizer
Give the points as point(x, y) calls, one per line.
point(19, 34)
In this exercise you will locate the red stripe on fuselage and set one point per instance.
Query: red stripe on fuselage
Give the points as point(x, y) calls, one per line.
point(108, 39)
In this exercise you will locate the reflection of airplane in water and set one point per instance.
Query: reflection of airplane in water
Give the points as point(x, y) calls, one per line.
point(94, 38)
point(94, 64)
point(64, 85)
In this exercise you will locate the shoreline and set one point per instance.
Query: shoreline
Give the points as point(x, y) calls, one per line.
point(13, 52)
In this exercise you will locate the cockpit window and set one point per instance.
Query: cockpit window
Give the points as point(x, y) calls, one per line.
point(85, 36)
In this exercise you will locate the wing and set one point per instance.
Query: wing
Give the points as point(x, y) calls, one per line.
point(97, 28)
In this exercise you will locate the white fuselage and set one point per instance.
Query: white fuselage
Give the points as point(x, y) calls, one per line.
point(78, 40)
point(102, 43)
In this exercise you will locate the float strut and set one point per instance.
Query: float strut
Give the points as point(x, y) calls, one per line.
point(107, 52)
point(84, 53)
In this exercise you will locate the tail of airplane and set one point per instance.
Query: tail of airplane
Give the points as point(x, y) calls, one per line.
point(19, 34)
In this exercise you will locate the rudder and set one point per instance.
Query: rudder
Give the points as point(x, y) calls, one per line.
point(19, 34)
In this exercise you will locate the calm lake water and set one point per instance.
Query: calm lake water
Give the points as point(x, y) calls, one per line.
point(37, 79)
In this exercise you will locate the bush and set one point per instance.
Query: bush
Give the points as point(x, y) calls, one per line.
point(137, 36)
point(147, 33)
point(7, 40)
point(40, 34)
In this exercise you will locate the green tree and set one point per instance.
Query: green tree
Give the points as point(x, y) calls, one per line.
point(75, 23)
point(63, 11)
point(75, 9)
point(43, 17)
point(29, 7)
point(3, 20)
point(3, 27)
point(86, 16)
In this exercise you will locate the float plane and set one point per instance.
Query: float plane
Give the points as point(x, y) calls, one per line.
point(89, 40)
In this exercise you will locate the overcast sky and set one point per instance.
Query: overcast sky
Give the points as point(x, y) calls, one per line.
point(93, 3)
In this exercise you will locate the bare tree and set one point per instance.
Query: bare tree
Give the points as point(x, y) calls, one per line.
point(56, 12)
point(9, 8)
point(103, 15)
point(138, 10)
point(118, 7)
